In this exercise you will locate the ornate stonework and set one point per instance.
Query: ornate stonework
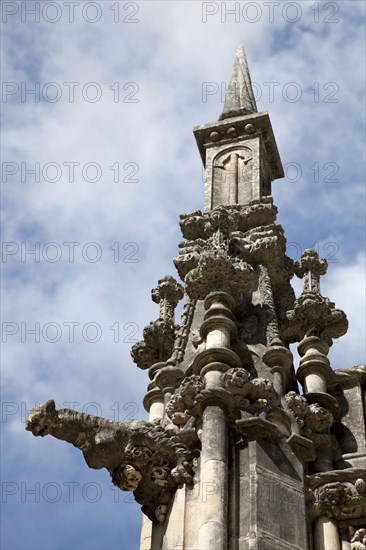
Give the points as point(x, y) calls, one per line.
point(140, 456)
point(235, 454)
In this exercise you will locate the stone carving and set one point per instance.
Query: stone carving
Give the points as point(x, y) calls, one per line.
point(198, 225)
point(182, 334)
point(179, 408)
point(299, 407)
point(160, 475)
point(216, 271)
point(167, 294)
point(159, 335)
point(232, 175)
point(358, 541)
point(140, 456)
point(260, 245)
point(315, 422)
point(313, 314)
point(249, 395)
point(339, 494)
point(157, 345)
point(128, 478)
point(272, 329)
point(233, 259)
point(309, 269)
point(237, 393)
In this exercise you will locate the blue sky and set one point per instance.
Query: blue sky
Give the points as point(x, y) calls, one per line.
point(151, 75)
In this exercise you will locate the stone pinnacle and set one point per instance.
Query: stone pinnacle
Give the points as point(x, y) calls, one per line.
point(239, 98)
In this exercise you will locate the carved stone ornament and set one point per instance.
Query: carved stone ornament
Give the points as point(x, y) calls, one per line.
point(159, 336)
point(315, 423)
point(198, 225)
point(313, 314)
point(157, 345)
point(140, 456)
point(358, 541)
point(180, 406)
point(249, 395)
point(167, 294)
point(216, 271)
point(238, 395)
point(340, 494)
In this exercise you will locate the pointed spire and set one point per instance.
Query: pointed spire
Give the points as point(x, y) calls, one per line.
point(239, 98)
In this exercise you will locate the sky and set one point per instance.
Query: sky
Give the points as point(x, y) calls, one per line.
point(98, 161)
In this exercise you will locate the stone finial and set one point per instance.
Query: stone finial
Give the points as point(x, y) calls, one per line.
point(310, 268)
point(159, 336)
point(167, 294)
point(239, 98)
point(314, 314)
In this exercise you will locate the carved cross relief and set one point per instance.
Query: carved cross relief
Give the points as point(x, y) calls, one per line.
point(232, 177)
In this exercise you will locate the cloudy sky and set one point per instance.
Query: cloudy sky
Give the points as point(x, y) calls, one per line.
point(99, 159)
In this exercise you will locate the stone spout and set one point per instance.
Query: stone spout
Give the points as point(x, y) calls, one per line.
point(140, 456)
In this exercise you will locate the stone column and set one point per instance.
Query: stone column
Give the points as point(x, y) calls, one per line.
point(279, 359)
point(154, 405)
point(345, 539)
point(326, 536)
point(314, 370)
point(317, 322)
point(220, 281)
point(216, 329)
point(154, 398)
point(214, 480)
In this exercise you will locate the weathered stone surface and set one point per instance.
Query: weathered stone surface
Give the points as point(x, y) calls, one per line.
point(315, 423)
point(358, 541)
point(239, 98)
point(157, 345)
point(140, 456)
point(233, 443)
point(167, 294)
point(350, 429)
point(269, 489)
point(314, 315)
point(340, 494)
point(159, 336)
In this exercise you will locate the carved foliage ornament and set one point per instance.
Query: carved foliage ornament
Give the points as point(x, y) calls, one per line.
point(158, 336)
point(237, 393)
point(198, 225)
point(340, 494)
point(217, 271)
point(179, 408)
point(358, 541)
point(157, 344)
point(313, 314)
point(249, 395)
point(315, 422)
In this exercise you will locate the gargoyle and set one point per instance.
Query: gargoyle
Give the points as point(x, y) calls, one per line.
point(131, 451)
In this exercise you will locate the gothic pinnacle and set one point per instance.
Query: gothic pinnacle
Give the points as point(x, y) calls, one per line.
point(239, 98)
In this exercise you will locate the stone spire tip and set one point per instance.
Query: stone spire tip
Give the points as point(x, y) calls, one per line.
point(239, 98)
